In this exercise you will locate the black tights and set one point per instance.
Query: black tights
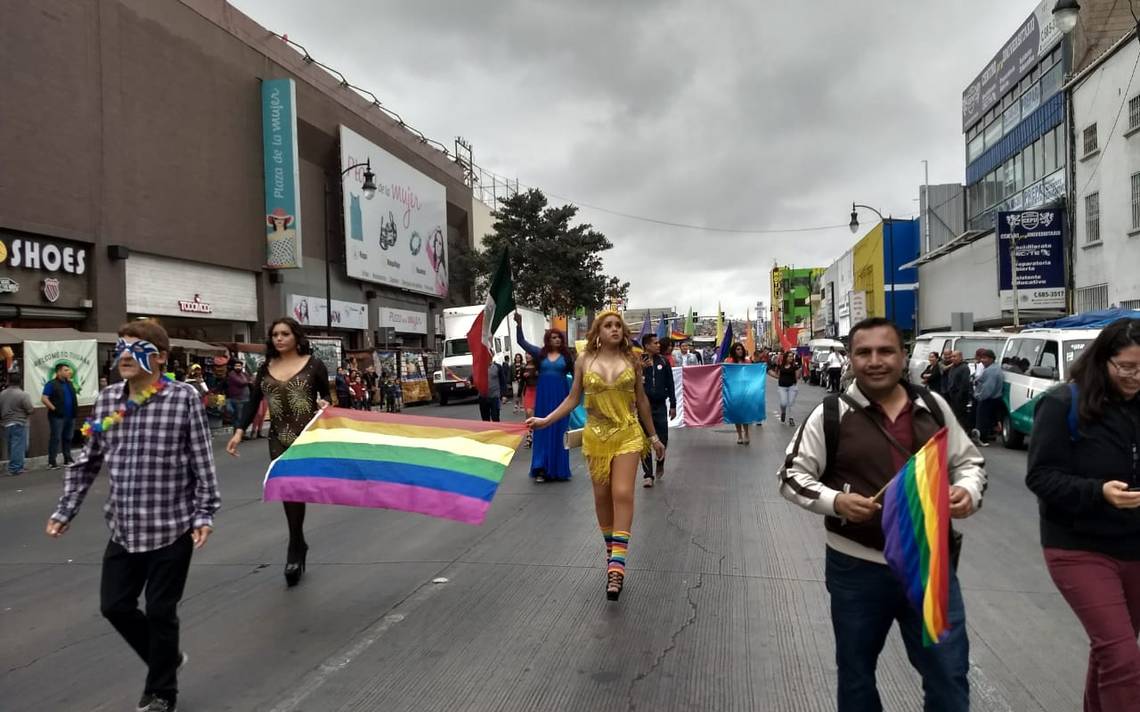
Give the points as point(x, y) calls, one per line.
point(295, 516)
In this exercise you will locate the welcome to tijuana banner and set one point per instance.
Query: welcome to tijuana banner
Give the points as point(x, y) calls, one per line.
point(41, 358)
point(399, 237)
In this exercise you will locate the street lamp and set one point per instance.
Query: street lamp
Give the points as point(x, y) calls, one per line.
point(1065, 14)
point(368, 188)
point(889, 239)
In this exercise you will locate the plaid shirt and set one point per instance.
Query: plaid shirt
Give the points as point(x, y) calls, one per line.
point(160, 464)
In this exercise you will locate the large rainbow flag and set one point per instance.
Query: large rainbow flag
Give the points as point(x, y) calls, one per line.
point(916, 524)
point(436, 466)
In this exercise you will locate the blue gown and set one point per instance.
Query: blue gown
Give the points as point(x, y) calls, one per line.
point(548, 453)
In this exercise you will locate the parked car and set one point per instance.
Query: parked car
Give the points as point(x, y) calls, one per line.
point(1034, 361)
point(817, 368)
point(939, 342)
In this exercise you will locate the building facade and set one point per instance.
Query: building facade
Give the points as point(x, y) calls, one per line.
point(792, 288)
point(1106, 114)
point(142, 145)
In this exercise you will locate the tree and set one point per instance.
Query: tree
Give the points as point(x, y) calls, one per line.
point(557, 266)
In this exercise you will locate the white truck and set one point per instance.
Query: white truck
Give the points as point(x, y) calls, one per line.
point(453, 379)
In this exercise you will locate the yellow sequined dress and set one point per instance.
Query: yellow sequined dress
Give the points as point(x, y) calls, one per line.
point(612, 427)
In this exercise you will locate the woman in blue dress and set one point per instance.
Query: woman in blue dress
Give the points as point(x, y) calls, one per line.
point(550, 460)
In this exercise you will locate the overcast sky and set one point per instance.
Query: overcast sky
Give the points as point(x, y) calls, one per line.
point(742, 114)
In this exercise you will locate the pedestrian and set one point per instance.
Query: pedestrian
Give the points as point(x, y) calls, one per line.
point(618, 416)
point(195, 380)
point(151, 435)
point(834, 370)
point(736, 354)
point(932, 374)
point(688, 357)
point(788, 373)
point(15, 409)
point(295, 384)
point(530, 385)
point(958, 389)
point(517, 368)
point(988, 396)
point(657, 376)
point(62, 403)
point(550, 460)
point(1083, 468)
point(489, 402)
point(508, 378)
point(358, 391)
point(237, 392)
point(343, 391)
point(371, 381)
point(666, 344)
point(878, 424)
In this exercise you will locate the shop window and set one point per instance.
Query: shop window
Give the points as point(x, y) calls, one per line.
point(1134, 112)
point(1092, 218)
point(1088, 139)
point(975, 148)
point(1039, 158)
point(1051, 82)
point(1049, 143)
point(1136, 201)
point(1011, 117)
point(1092, 298)
point(993, 132)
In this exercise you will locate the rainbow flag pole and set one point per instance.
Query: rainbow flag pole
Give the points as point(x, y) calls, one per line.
point(440, 467)
point(916, 525)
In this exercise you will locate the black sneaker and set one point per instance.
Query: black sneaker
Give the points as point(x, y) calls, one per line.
point(157, 704)
point(52, 466)
point(144, 702)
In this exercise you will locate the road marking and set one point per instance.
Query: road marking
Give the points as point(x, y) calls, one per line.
point(344, 657)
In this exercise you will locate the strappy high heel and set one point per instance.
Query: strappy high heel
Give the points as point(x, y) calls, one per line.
point(614, 583)
point(295, 565)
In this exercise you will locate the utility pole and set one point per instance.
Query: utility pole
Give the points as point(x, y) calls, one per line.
point(1013, 277)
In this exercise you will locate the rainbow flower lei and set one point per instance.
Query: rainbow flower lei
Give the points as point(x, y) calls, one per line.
point(107, 422)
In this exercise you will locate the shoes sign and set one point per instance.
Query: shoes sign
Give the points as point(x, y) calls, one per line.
point(43, 256)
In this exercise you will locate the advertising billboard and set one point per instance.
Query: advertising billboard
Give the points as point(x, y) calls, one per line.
point(1036, 37)
point(399, 237)
point(42, 357)
point(1039, 236)
point(312, 311)
point(282, 174)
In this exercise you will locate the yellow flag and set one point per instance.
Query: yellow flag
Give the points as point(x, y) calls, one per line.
point(719, 324)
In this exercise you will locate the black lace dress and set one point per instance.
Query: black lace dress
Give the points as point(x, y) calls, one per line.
point(292, 403)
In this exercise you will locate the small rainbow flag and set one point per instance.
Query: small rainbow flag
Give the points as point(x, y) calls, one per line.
point(435, 466)
point(916, 524)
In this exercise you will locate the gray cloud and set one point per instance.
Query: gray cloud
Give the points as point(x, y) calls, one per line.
point(736, 113)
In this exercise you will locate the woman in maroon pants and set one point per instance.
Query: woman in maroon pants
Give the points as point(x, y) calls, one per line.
point(1084, 467)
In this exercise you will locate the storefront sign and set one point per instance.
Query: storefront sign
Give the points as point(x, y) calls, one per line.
point(9, 286)
point(310, 311)
point(404, 321)
point(43, 256)
point(1033, 40)
point(158, 286)
point(858, 306)
point(41, 358)
point(195, 305)
point(1039, 236)
point(282, 174)
point(51, 289)
point(400, 236)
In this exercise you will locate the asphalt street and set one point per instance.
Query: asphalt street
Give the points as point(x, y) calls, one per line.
point(724, 608)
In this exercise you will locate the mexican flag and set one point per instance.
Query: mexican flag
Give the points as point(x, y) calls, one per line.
point(500, 302)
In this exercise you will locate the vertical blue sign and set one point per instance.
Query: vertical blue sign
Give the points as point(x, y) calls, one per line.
point(282, 174)
point(1039, 235)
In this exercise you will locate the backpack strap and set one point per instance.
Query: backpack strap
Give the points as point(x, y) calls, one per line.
point(1074, 418)
point(831, 428)
point(931, 404)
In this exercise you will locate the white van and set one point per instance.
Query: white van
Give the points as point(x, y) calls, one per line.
point(817, 367)
point(939, 342)
point(1034, 361)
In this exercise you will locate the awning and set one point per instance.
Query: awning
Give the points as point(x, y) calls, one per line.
point(19, 336)
point(195, 346)
point(959, 241)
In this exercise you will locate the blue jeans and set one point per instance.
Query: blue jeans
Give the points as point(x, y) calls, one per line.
point(17, 446)
point(236, 409)
point(866, 600)
point(62, 430)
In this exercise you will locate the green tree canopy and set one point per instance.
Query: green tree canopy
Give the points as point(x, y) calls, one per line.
point(557, 266)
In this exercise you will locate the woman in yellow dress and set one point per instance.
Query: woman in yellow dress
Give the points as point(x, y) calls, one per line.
point(613, 441)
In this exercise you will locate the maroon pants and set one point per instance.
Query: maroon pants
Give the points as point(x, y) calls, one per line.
point(1105, 594)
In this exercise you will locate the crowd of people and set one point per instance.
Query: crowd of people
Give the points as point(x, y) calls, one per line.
point(975, 394)
point(1082, 467)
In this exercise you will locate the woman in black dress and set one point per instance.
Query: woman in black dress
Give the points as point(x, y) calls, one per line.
point(295, 384)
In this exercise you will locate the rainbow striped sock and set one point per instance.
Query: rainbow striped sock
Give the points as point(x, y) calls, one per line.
point(608, 535)
point(617, 556)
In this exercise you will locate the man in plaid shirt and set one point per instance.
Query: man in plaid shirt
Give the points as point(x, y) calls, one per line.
point(164, 494)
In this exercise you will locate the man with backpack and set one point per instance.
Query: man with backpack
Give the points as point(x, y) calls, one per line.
point(844, 454)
